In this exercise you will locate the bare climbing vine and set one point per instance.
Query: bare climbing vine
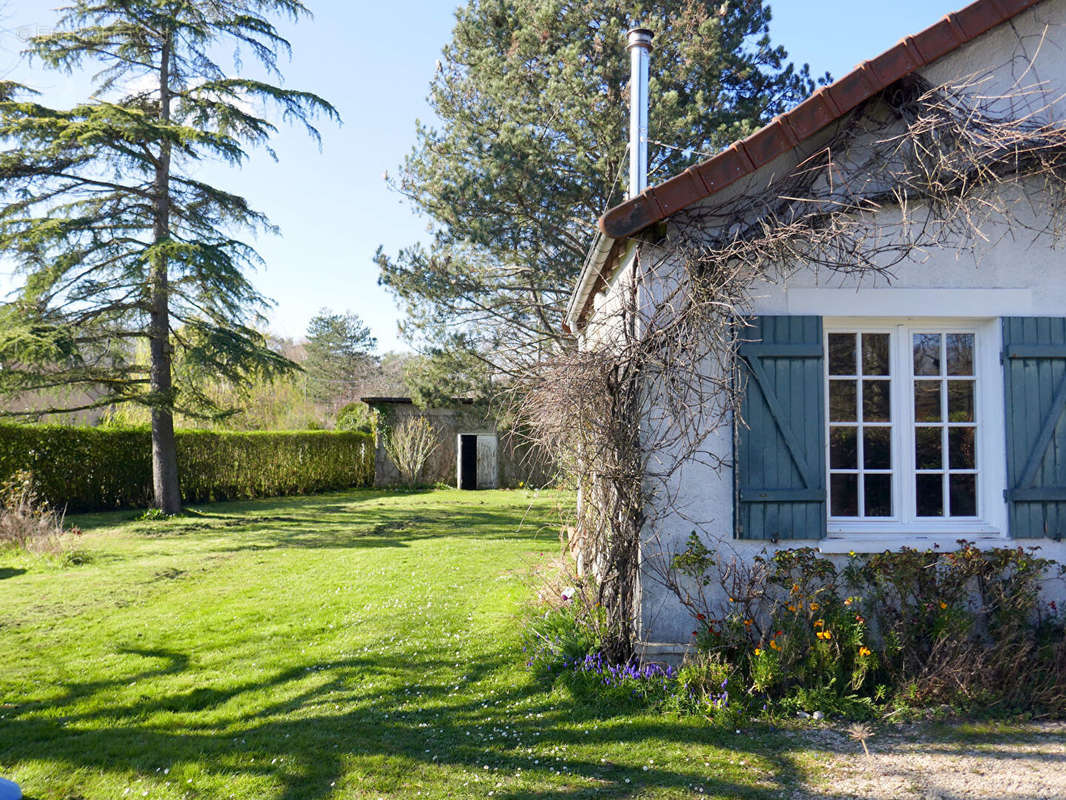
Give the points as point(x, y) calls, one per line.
point(653, 388)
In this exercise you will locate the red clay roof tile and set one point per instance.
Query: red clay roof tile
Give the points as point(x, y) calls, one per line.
point(822, 108)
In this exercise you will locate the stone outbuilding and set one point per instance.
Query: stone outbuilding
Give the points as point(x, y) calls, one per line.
point(471, 452)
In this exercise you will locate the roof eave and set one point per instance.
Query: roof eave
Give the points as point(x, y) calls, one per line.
point(825, 106)
point(590, 275)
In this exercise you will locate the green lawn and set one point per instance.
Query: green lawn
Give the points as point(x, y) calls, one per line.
point(351, 645)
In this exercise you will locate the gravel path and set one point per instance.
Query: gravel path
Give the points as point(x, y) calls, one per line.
point(1023, 762)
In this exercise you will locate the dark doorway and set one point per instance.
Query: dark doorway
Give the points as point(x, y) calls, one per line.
point(468, 461)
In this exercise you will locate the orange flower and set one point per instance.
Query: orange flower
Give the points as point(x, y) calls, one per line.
point(748, 623)
point(943, 605)
point(814, 606)
point(795, 588)
point(773, 644)
point(849, 601)
point(824, 635)
point(791, 607)
point(864, 651)
point(758, 652)
point(819, 623)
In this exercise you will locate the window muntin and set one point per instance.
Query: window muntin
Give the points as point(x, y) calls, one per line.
point(860, 425)
point(902, 422)
point(945, 424)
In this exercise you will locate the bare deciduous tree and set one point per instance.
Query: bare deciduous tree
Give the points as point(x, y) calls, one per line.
point(409, 445)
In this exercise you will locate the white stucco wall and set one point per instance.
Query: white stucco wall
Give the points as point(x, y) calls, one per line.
point(1013, 274)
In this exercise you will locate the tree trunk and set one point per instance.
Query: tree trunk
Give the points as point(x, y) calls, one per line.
point(165, 484)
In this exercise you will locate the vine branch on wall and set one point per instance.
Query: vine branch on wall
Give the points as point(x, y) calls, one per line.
point(653, 389)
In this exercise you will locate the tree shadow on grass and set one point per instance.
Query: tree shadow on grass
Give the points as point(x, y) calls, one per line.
point(303, 726)
point(354, 519)
point(390, 527)
point(340, 499)
point(307, 740)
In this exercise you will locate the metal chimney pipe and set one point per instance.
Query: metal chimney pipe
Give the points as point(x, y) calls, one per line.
point(639, 49)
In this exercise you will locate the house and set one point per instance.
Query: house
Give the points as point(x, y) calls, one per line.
point(471, 451)
point(869, 296)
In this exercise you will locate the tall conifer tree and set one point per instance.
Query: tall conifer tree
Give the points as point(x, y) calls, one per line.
point(339, 356)
point(530, 146)
point(125, 253)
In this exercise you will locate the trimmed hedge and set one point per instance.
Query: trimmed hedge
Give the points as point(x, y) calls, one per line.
point(91, 469)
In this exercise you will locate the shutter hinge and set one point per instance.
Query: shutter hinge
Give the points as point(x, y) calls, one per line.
point(1006, 495)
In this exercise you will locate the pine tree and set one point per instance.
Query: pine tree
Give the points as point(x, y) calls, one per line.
point(126, 255)
point(339, 356)
point(531, 144)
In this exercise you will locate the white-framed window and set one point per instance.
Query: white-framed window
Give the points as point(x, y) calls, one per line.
point(914, 424)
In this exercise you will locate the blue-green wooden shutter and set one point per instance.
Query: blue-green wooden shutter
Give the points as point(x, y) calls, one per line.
point(780, 455)
point(1034, 378)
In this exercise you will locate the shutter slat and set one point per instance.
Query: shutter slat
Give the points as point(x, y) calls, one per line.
point(781, 438)
point(1034, 376)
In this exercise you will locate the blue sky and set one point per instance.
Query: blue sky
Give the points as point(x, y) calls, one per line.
point(374, 60)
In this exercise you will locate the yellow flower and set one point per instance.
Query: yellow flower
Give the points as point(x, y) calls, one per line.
point(851, 553)
point(824, 635)
point(819, 623)
point(758, 652)
point(864, 651)
point(814, 606)
point(943, 605)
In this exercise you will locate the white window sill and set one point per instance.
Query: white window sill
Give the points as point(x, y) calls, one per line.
point(837, 543)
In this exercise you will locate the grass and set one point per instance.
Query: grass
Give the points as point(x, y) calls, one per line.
point(352, 645)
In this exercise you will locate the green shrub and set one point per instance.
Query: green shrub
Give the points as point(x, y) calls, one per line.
point(356, 417)
point(965, 629)
point(87, 469)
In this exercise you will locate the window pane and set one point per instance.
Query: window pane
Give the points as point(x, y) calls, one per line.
point(927, 448)
point(875, 403)
point(929, 490)
point(927, 354)
point(842, 354)
point(843, 453)
point(961, 448)
point(963, 495)
point(842, 406)
point(927, 401)
point(878, 495)
point(844, 492)
point(875, 354)
point(960, 353)
point(960, 401)
point(877, 448)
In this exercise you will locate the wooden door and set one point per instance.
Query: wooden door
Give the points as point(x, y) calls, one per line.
point(487, 469)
